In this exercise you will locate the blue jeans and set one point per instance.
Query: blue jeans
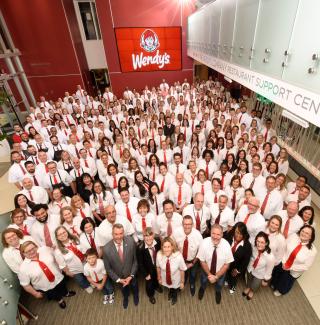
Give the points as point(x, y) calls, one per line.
point(133, 286)
point(204, 282)
point(108, 287)
point(191, 275)
point(81, 280)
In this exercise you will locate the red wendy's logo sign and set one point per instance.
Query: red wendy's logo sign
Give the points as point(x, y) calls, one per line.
point(149, 49)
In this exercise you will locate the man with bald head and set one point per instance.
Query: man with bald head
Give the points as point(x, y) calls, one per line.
point(36, 194)
point(180, 193)
point(291, 221)
point(105, 227)
point(251, 216)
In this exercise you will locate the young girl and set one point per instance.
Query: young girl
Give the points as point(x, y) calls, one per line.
point(96, 274)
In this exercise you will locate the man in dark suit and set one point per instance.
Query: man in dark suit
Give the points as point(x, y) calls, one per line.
point(146, 254)
point(168, 128)
point(119, 256)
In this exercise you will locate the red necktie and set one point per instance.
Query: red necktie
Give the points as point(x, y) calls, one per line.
point(18, 249)
point(89, 153)
point(74, 232)
point(179, 196)
point(217, 221)
point(24, 230)
point(143, 224)
point(256, 261)
point(153, 173)
point(246, 218)
point(222, 181)
point(177, 171)
point(47, 236)
point(86, 163)
point(157, 208)
point(154, 254)
point(76, 252)
point(115, 182)
point(82, 213)
point(213, 267)
point(185, 134)
point(128, 213)
point(164, 157)
point(96, 277)
point(101, 206)
point(294, 191)
point(234, 200)
point(207, 170)
point(120, 149)
point(146, 161)
point(202, 189)
point(192, 127)
point(185, 249)
point(292, 257)
point(198, 221)
point(264, 204)
point(22, 169)
point(162, 184)
point(286, 228)
point(234, 247)
point(181, 152)
point(50, 276)
point(35, 181)
point(169, 228)
point(92, 243)
point(252, 183)
point(266, 136)
point(77, 152)
point(31, 196)
point(37, 161)
point(55, 180)
point(168, 272)
point(120, 252)
point(193, 177)
point(68, 121)
point(215, 198)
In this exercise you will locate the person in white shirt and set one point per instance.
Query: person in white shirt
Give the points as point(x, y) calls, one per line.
point(21, 222)
point(17, 169)
point(250, 215)
point(170, 268)
point(199, 213)
point(70, 258)
point(201, 183)
point(190, 175)
point(40, 275)
point(215, 256)
point(272, 201)
point(155, 199)
point(12, 239)
point(212, 196)
point(142, 220)
point(164, 179)
point(127, 205)
point(36, 194)
point(224, 175)
point(88, 162)
point(177, 167)
point(188, 240)
point(164, 87)
point(303, 197)
point(221, 214)
point(180, 193)
point(234, 192)
point(168, 221)
point(299, 255)
point(164, 154)
point(255, 180)
point(260, 266)
point(277, 240)
point(96, 274)
point(89, 237)
point(105, 228)
point(291, 221)
point(293, 187)
point(42, 230)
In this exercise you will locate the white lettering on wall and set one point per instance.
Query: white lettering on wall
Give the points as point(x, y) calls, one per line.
point(139, 60)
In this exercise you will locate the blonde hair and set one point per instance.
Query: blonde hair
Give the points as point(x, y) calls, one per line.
point(74, 209)
point(68, 208)
point(171, 241)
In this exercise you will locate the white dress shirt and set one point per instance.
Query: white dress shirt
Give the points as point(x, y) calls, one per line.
point(173, 169)
point(37, 230)
point(295, 222)
point(168, 181)
point(204, 215)
point(74, 227)
point(210, 197)
point(197, 187)
point(137, 224)
point(55, 207)
point(265, 265)
point(189, 178)
point(121, 207)
point(259, 186)
point(226, 179)
point(94, 203)
point(162, 223)
point(38, 194)
point(62, 177)
point(98, 270)
point(16, 172)
point(277, 245)
point(186, 194)
point(226, 216)
point(212, 167)
point(274, 203)
point(31, 273)
point(224, 253)
point(177, 264)
point(239, 194)
point(169, 155)
point(194, 241)
point(153, 207)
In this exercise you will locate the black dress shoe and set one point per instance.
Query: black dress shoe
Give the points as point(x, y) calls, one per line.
point(169, 295)
point(174, 301)
point(70, 294)
point(159, 289)
point(218, 297)
point(200, 293)
point(192, 290)
point(136, 300)
point(62, 304)
point(152, 300)
point(244, 294)
point(125, 303)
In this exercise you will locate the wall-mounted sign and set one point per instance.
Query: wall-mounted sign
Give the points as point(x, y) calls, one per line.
point(149, 49)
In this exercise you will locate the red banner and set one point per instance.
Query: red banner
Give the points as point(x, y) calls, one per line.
point(149, 49)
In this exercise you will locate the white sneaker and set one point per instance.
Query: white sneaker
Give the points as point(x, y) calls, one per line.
point(232, 290)
point(226, 283)
point(89, 289)
point(111, 299)
point(277, 293)
point(105, 299)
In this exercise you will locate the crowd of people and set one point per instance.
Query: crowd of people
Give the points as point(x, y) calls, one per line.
point(177, 185)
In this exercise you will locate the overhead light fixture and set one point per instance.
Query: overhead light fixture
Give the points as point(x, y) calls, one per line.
point(295, 118)
point(227, 79)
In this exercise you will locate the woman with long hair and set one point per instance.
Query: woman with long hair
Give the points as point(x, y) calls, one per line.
point(141, 185)
point(70, 221)
point(22, 202)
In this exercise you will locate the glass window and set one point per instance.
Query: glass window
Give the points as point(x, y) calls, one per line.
point(89, 20)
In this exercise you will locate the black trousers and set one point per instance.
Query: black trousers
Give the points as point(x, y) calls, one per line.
point(152, 284)
point(133, 286)
point(58, 292)
point(282, 280)
point(173, 293)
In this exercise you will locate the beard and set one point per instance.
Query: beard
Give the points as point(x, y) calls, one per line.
point(44, 220)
